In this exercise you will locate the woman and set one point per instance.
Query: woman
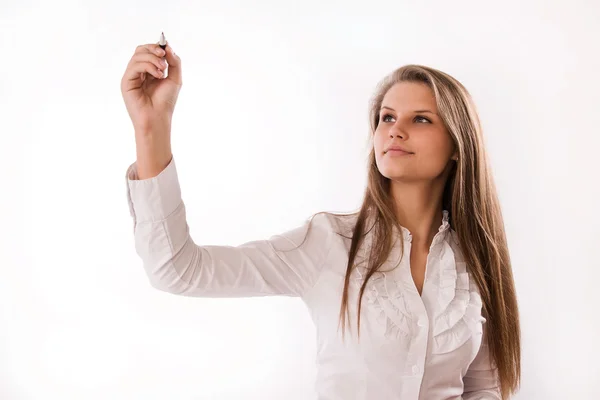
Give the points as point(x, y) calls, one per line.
point(426, 252)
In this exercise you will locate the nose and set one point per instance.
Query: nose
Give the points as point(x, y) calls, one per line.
point(398, 128)
point(395, 131)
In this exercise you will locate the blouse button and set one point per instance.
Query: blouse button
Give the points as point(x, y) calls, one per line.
point(421, 323)
point(415, 369)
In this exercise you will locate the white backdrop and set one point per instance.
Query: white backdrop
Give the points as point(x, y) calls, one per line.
point(271, 126)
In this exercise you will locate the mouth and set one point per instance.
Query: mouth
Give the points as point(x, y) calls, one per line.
point(397, 152)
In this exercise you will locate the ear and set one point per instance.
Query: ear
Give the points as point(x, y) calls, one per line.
point(454, 156)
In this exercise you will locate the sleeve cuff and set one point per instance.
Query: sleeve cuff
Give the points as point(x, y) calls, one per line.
point(153, 199)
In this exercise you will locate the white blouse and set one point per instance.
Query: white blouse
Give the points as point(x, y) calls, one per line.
point(411, 346)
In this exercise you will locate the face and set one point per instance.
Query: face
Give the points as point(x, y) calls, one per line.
point(409, 121)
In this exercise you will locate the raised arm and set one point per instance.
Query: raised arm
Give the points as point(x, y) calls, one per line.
point(281, 265)
point(173, 262)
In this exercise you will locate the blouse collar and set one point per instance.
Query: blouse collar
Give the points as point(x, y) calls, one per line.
point(441, 230)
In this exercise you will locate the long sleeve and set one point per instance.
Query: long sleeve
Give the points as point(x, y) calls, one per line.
point(481, 380)
point(285, 264)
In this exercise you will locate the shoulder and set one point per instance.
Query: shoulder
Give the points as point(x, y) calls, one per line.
point(335, 224)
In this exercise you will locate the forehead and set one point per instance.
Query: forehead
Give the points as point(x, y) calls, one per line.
point(410, 96)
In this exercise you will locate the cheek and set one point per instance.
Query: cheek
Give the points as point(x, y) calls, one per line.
point(378, 146)
point(435, 145)
point(378, 141)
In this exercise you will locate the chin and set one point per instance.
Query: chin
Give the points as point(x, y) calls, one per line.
point(396, 174)
point(402, 178)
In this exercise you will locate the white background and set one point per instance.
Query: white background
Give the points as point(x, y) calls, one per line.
point(271, 126)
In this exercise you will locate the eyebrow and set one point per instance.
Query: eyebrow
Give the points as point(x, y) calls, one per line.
point(416, 111)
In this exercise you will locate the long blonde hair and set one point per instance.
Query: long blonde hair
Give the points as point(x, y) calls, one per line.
point(471, 199)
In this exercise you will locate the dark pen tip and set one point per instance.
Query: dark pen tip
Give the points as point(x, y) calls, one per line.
point(162, 41)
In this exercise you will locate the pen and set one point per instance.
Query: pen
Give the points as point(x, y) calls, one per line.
point(162, 42)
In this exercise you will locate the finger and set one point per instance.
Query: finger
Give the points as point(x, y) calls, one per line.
point(148, 57)
point(135, 70)
point(174, 65)
point(153, 48)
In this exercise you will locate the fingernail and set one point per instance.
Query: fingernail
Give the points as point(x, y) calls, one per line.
point(160, 52)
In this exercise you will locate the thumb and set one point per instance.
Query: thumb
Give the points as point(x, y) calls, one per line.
point(174, 65)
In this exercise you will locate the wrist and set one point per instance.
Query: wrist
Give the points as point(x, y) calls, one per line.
point(153, 155)
point(152, 133)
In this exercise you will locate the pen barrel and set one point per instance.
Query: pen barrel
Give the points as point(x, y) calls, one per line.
point(166, 71)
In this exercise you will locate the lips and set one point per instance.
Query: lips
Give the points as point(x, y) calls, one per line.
point(397, 150)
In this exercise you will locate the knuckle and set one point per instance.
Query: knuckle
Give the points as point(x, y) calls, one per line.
point(140, 57)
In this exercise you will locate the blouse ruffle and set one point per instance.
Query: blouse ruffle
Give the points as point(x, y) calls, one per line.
point(459, 302)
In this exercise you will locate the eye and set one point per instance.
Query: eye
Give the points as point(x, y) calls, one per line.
point(383, 117)
point(422, 118)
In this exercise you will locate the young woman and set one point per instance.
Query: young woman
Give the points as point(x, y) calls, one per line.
point(420, 276)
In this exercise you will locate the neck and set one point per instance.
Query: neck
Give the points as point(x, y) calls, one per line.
point(418, 207)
